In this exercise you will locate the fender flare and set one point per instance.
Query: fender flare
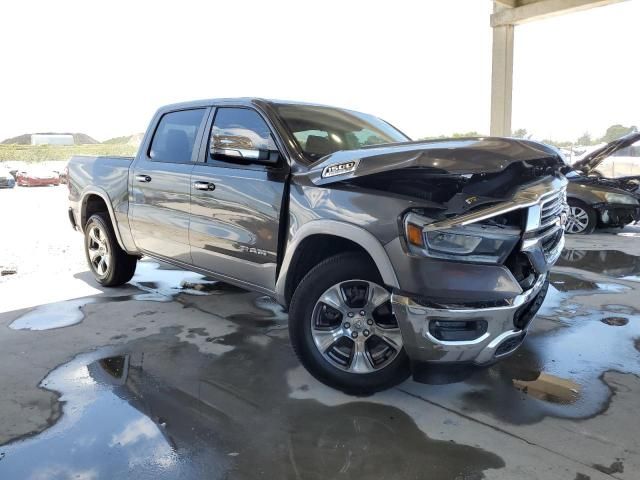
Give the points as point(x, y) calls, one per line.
point(100, 192)
point(345, 230)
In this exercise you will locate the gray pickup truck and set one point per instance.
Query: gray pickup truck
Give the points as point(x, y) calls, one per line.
point(389, 254)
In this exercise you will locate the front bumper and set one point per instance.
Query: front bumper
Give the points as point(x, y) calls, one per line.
point(506, 326)
point(617, 214)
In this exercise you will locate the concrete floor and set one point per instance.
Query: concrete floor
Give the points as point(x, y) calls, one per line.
point(175, 376)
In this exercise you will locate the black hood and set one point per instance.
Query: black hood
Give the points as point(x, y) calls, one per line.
point(595, 158)
point(461, 156)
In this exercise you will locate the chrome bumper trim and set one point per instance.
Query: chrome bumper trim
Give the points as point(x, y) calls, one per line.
point(422, 346)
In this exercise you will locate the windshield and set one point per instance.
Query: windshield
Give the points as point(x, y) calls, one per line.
point(320, 131)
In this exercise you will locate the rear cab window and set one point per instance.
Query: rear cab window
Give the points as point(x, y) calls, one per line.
point(175, 136)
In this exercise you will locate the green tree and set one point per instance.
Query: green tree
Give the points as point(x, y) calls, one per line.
point(616, 131)
point(557, 143)
point(585, 139)
point(521, 133)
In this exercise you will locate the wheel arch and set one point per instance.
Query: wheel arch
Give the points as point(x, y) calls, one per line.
point(333, 237)
point(96, 200)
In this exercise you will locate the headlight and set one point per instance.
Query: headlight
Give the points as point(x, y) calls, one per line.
point(481, 243)
point(452, 243)
point(620, 198)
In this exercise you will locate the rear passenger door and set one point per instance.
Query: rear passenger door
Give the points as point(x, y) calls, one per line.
point(161, 185)
point(236, 199)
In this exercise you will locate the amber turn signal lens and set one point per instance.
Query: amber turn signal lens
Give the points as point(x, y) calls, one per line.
point(414, 235)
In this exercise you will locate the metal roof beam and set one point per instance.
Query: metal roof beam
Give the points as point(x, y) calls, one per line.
point(521, 11)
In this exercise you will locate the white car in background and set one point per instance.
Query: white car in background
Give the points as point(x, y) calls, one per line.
point(623, 163)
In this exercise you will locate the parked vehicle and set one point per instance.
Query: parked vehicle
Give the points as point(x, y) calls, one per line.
point(598, 201)
point(37, 177)
point(6, 179)
point(389, 254)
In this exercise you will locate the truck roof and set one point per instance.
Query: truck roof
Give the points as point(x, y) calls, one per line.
point(246, 101)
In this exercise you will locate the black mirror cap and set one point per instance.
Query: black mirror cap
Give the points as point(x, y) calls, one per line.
point(270, 157)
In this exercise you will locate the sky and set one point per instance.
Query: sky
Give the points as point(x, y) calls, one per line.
point(103, 68)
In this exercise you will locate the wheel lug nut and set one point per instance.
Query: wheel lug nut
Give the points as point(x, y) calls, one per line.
point(366, 333)
point(354, 334)
point(350, 314)
point(362, 313)
point(369, 322)
point(347, 325)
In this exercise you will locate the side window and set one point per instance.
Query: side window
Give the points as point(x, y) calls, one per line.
point(240, 133)
point(175, 136)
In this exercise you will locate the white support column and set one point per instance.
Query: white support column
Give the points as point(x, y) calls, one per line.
point(501, 80)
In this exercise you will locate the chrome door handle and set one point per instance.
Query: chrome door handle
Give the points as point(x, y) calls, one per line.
point(143, 178)
point(204, 186)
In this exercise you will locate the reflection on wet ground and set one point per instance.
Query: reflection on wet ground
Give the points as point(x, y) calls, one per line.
point(196, 401)
point(612, 263)
point(158, 406)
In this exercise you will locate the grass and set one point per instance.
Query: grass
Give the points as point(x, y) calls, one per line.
point(42, 153)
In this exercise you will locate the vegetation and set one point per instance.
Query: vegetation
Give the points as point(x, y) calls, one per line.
point(617, 131)
point(612, 133)
point(119, 140)
point(25, 139)
point(41, 153)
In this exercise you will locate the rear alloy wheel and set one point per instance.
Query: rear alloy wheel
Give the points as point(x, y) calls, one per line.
point(111, 266)
point(582, 218)
point(98, 250)
point(343, 329)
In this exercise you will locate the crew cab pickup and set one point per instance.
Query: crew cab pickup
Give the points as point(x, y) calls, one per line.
point(388, 253)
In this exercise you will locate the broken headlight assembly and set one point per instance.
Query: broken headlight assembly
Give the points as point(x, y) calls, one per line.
point(620, 199)
point(484, 242)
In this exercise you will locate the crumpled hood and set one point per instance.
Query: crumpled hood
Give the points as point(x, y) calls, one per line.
point(455, 157)
point(595, 158)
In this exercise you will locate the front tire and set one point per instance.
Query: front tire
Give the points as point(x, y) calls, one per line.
point(342, 327)
point(582, 218)
point(111, 266)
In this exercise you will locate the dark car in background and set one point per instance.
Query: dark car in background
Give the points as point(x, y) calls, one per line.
point(6, 179)
point(597, 201)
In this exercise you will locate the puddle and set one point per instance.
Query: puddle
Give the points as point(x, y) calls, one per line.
point(162, 284)
point(615, 321)
point(158, 285)
point(560, 369)
point(53, 315)
point(157, 407)
point(556, 373)
point(574, 284)
point(550, 388)
point(613, 263)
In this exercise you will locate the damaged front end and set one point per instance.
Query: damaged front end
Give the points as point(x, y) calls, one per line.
point(490, 279)
point(474, 250)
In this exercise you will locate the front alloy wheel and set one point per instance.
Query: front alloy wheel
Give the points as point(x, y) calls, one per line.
point(343, 329)
point(353, 327)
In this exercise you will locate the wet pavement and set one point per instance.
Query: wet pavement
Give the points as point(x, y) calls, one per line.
point(179, 376)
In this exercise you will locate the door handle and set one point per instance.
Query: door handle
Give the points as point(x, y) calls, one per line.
point(204, 186)
point(143, 178)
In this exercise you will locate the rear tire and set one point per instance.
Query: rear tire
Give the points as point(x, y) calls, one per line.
point(111, 266)
point(582, 218)
point(369, 352)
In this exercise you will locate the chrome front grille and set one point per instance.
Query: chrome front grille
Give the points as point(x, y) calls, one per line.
point(551, 208)
point(546, 229)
